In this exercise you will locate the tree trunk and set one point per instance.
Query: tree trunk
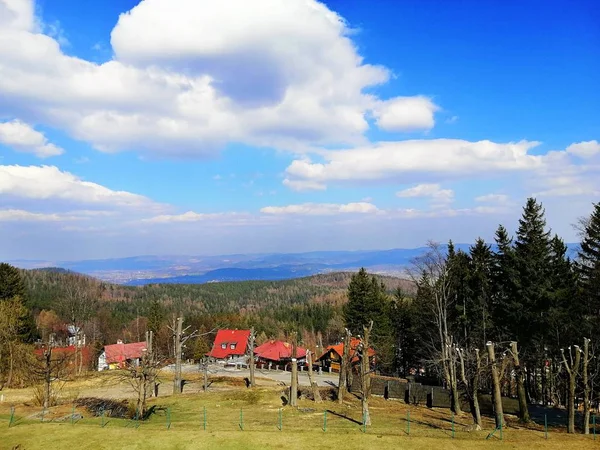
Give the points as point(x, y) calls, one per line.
point(294, 383)
point(573, 371)
point(521, 394)
point(11, 363)
point(586, 387)
point(251, 357)
point(313, 385)
point(177, 378)
point(475, 389)
point(47, 377)
point(454, 387)
point(365, 374)
point(342, 388)
point(497, 396)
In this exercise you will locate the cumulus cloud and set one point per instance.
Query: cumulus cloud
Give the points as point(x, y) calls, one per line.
point(321, 209)
point(584, 149)
point(421, 158)
point(174, 87)
point(49, 182)
point(23, 138)
point(433, 191)
point(405, 114)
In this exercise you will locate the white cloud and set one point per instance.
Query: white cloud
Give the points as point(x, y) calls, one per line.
point(405, 114)
point(492, 198)
point(23, 138)
point(49, 182)
point(433, 191)
point(418, 158)
point(304, 185)
point(191, 216)
point(19, 215)
point(174, 86)
point(322, 209)
point(584, 149)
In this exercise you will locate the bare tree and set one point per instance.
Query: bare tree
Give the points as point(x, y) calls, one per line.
point(294, 381)
point(179, 339)
point(251, 340)
point(430, 273)
point(365, 372)
point(78, 304)
point(522, 396)
point(497, 394)
point(572, 369)
point(471, 381)
point(586, 385)
point(344, 363)
point(50, 371)
point(143, 376)
point(313, 385)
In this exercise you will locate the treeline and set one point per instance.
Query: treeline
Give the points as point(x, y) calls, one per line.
point(524, 309)
point(67, 306)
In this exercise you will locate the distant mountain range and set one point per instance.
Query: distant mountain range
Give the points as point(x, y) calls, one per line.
point(139, 270)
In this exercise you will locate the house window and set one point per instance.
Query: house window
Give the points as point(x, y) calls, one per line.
point(232, 346)
point(224, 345)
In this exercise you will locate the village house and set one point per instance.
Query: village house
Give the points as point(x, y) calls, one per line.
point(277, 352)
point(331, 358)
point(119, 355)
point(230, 346)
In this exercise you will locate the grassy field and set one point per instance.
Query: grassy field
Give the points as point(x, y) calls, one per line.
point(180, 425)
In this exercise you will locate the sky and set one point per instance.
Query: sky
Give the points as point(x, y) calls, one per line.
point(192, 127)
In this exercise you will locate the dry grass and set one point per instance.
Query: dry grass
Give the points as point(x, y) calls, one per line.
point(301, 428)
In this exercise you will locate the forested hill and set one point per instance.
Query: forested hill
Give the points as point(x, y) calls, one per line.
point(309, 303)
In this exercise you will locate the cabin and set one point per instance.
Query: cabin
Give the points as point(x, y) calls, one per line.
point(332, 357)
point(71, 355)
point(230, 346)
point(277, 352)
point(119, 355)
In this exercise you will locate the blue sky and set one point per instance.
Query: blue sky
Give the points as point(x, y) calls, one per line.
point(186, 126)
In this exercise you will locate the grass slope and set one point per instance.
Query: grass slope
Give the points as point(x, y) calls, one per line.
point(301, 428)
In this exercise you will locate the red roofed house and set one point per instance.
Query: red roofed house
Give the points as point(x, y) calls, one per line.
point(333, 355)
point(69, 355)
point(230, 344)
point(117, 356)
point(278, 351)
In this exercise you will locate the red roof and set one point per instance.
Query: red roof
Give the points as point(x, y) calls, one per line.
point(230, 343)
point(278, 350)
point(119, 353)
point(59, 352)
point(339, 349)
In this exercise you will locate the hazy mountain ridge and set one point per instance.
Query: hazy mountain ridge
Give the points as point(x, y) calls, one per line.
point(139, 270)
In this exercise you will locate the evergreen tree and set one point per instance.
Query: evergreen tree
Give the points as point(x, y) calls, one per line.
point(588, 268)
point(532, 257)
point(368, 300)
point(563, 325)
point(11, 283)
point(506, 309)
point(480, 288)
point(402, 317)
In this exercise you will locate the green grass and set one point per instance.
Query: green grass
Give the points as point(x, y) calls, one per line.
point(301, 428)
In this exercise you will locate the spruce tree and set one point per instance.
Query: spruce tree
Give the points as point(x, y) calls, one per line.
point(505, 306)
point(588, 268)
point(480, 287)
point(11, 283)
point(563, 324)
point(532, 257)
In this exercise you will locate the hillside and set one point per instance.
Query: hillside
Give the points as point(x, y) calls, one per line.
point(309, 303)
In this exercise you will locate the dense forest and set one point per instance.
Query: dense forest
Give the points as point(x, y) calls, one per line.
point(519, 318)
